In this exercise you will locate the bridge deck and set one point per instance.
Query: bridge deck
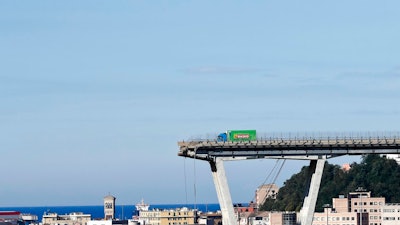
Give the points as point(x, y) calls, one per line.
point(210, 149)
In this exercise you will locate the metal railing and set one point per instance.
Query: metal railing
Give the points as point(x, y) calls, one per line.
point(309, 136)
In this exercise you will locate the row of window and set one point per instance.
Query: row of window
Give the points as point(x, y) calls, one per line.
point(391, 210)
point(178, 218)
point(67, 219)
point(370, 210)
point(149, 215)
point(334, 218)
point(169, 218)
point(348, 218)
point(179, 213)
point(370, 203)
point(391, 218)
point(374, 217)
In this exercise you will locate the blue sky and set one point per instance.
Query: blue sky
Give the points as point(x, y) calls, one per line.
point(95, 95)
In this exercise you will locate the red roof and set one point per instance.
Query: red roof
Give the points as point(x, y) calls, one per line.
point(9, 213)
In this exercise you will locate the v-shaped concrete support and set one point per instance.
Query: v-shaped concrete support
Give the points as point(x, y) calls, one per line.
point(314, 181)
point(223, 193)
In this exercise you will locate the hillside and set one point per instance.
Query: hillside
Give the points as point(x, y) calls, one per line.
point(377, 174)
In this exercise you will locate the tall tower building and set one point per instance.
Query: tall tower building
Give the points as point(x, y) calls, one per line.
point(109, 207)
point(266, 191)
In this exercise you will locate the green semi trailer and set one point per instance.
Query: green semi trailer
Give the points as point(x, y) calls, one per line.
point(238, 135)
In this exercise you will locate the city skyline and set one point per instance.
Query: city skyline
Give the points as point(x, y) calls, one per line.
point(95, 95)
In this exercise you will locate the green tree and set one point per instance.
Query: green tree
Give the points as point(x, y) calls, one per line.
point(377, 174)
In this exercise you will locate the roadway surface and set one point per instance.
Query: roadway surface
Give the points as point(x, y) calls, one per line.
point(209, 150)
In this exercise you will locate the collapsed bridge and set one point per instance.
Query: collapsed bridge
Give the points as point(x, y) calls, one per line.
point(317, 150)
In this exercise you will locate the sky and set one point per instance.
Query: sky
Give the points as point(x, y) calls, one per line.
point(95, 95)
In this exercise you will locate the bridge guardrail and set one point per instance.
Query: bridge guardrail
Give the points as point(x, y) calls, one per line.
point(307, 136)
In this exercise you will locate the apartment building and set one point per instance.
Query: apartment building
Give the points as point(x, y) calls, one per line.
point(331, 217)
point(391, 214)
point(265, 191)
point(179, 216)
point(75, 218)
point(210, 218)
point(358, 208)
point(267, 218)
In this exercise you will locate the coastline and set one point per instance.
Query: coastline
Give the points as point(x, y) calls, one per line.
point(97, 211)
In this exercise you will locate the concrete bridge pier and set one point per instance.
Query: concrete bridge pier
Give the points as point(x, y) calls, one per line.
point(223, 193)
point(316, 169)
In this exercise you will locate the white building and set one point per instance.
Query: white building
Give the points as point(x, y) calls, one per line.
point(391, 214)
point(75, 218)
point(113, 222)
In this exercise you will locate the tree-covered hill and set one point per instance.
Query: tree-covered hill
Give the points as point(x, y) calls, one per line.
point(377, 174)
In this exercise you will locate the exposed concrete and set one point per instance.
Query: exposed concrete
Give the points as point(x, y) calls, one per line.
point(315, 150)
point(223, 193)
point(316, 169)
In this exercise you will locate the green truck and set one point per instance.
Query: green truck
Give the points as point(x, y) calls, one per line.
point(238, 135)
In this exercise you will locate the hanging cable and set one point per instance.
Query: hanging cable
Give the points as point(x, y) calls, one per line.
point(276, 176)
point(194, 182)
point(270, 173)
point(185, 177)
point(273, 169)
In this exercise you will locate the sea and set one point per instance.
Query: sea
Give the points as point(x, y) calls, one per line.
point(97, 212)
